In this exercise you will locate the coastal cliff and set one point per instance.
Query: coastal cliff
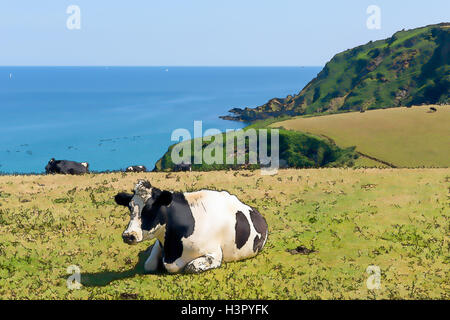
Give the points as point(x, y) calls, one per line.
point(409, 68)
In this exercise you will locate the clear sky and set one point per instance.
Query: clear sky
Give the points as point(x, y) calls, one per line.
point(200, 32)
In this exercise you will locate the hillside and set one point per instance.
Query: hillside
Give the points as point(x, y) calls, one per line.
point(410, 68)
point(401, 137)
point(297, 150)
point(396, 219)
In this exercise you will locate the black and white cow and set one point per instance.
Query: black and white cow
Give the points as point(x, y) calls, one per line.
point(195, 231)
point(66, 167)
point(182, 167)
point(136, 169)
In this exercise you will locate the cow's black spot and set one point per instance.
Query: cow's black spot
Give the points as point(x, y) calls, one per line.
point(261, 227)
point(164, 198)
point(152, 215)
point(146, 184)
point(161, 198)
point(153, 212)
point(242, 229)
point(123, 199)
point(155, 193)
point(180, 224)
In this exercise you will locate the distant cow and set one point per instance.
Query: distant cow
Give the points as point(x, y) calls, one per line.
point(136, 169)
point(433, 109)
point(182, 167)
point(66, 167)
point(195, 231)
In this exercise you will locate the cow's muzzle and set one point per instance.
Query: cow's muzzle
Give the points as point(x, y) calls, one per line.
point(129, 238)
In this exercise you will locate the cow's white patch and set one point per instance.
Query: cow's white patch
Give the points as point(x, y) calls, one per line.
point(134, 227)
point(215, 220)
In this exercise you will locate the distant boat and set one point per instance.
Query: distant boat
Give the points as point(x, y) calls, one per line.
point(167, 70)
point(10, 75)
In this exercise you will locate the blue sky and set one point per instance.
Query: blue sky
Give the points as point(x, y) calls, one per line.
point(200, 32)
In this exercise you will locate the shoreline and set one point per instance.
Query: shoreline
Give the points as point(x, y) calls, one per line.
point(356, 169)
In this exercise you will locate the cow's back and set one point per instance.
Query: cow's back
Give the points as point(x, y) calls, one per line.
point(223, 220)
point(71, 167)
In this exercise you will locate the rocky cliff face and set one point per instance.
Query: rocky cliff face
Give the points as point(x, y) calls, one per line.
point(409, 68)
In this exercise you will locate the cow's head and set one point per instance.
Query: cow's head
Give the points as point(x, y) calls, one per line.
point(50, 166)
point(147, 211)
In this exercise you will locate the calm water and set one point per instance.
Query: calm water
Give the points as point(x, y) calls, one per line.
point(113, 117)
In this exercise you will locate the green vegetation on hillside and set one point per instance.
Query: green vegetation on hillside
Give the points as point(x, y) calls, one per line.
point(410, 68)
point(394, 219)
point(401, 137)
point(297, 150)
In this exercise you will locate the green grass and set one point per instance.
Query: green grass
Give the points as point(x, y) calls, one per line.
point(403, 137)
point(397, 219)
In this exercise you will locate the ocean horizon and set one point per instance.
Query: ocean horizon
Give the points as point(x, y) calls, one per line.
point(113, 117)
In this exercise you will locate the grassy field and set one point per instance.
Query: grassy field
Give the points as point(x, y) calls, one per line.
point(364, 162)
point(397, 219)
point(403, 137)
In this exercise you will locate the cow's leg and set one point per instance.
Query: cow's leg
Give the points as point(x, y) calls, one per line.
point(206, 262)
point(151, 265)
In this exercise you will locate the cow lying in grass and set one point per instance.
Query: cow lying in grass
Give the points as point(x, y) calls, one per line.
point(195, 231)
point(182, 167)
point(66, 167)
point(136, 169)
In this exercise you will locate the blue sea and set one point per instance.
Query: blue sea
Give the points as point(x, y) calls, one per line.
point(114, 117)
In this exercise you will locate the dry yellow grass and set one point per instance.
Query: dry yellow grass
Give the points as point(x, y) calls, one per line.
point(397, 219)
point(364, 162)
point(404, 137)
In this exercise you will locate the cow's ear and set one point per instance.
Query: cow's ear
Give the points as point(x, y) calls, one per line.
point(164, 198)
point(123, 199)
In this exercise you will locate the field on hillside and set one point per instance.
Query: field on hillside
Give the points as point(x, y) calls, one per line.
point(397, 219)
point(403, 137)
